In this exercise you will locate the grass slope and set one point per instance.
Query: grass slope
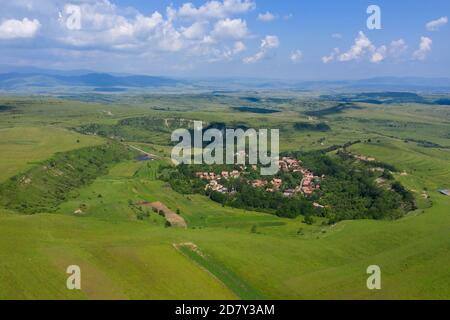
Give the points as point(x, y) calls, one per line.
point(21, 147)
point(50, 183)
point(125, 258)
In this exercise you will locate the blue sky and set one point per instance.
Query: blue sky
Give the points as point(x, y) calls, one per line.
point(289, 39)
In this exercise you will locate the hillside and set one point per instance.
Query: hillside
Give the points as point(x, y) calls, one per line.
point(127, 251)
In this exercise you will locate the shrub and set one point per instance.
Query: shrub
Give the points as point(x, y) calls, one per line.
point(309, 220)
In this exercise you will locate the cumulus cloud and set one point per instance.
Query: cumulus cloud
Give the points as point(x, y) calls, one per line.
point(361, 46)
point(238, 47)
point(379, 54)
point(397, 48)
point(103, 25)
point(424, 49)
point(188, 33)
point(267, 44)
point(266, 17)
point(435, 25)
point(15, 29)
point(211, 33)
point(230, 28)
point(270, 42)
point(229, 53)
point(196, 31)
point(332, 56)
point(296, 56)
point(361, 49)
point(216, 9)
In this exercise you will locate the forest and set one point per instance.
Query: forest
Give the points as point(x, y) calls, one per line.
point(349, 190)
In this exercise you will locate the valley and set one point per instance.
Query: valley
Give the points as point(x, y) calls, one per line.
point(72, 191)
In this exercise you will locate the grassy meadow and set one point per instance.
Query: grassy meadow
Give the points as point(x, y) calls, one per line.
point(243, 254)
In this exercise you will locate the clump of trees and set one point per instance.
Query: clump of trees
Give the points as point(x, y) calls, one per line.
point(45, 186)
point(304, 126)
point(348, 191)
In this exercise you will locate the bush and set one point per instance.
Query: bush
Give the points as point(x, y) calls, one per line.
point(309, 220)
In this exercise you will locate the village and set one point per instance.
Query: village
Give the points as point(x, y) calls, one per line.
point(306, 185)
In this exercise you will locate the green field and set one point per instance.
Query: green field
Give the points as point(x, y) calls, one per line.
point(244, 254)
point(24, 146)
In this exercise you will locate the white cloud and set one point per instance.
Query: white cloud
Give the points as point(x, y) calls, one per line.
point(105, 25)
point(379, 55)
point(196, 31)
point(361, 46)
point(397, 48)
point(216, 9)
point(214, 54)
point(181, 34)
point(336, 36)
point(255, 58)
point(424, 48)
point(436, 24)
point(332, 56)
point(266, 17)
point(230, 28)
point(268, 43)
point(102, 24)
point(361, 49)
point(296, 56)
point(14, 29)
point(238, 47)
point(168, 38)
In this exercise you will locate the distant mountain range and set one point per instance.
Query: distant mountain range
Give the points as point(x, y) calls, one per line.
point(17, 81)
point(385, 84)
point(37, 80)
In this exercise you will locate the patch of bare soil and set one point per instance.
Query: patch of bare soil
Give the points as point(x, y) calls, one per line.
point(191, 246)
point(174, 219)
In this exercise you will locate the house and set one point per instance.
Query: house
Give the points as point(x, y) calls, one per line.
point(291, 162)
point(235, 174)
point(307, 191)
point(214, 186)
point(289, 193)
point(259, 183)
point(222, 190)
point(213, 183)
point(277, 183)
